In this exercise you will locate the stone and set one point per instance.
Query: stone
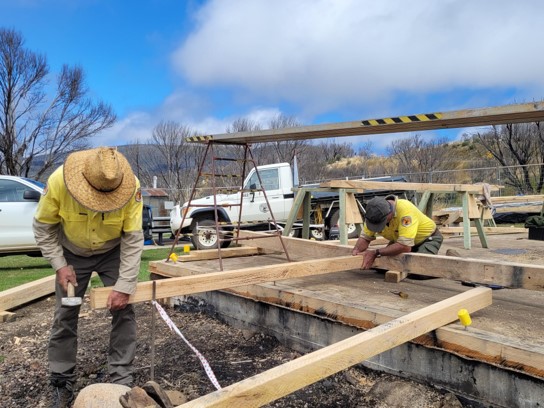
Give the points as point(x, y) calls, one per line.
point(100, 395)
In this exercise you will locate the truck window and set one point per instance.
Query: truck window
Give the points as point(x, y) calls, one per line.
point(12, 191)
point(269, 178)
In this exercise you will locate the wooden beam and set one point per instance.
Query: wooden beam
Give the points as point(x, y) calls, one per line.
point(6, 316)
point(485, 271)
point(294, 375)
point(366, 185)
point(517, 199)
point(27, 292)
point(206, 254)
point(487, 230)
point(518, 113)
point(299, 249)
point(222, 280)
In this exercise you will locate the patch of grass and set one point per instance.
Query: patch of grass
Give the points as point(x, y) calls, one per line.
point(19, 269)
point(16, 270)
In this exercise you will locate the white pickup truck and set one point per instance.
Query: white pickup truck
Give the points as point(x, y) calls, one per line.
point(278, 181)
point(19, 198)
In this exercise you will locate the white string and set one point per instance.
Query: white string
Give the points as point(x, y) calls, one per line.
point(202, 359)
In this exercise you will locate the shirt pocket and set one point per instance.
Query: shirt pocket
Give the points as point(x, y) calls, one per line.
point(74, 224)
point(73, 217)
point(113, 225)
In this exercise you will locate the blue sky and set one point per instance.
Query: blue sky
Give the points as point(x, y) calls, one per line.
point(206, 63)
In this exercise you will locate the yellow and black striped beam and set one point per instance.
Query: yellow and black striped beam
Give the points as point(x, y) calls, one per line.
point(403, 119)
point(199, 139)
point(518, 113)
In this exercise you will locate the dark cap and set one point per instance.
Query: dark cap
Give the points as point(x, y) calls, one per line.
point(377, 210)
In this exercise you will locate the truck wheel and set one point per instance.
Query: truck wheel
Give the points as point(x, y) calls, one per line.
point(353, 229)
point(204, 234)
point(317, 234)
point(294, 233)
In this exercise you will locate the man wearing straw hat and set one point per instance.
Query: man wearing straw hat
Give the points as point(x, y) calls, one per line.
point(90, 219)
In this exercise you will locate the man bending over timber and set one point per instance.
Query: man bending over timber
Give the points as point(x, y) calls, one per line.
point(402, 223)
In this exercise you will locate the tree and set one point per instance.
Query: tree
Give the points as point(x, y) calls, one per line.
point(171, 159)
point(37, 129)
point(419, 156)
point(520, 145)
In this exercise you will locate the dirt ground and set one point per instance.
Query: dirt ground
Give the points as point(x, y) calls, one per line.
point(233, 355)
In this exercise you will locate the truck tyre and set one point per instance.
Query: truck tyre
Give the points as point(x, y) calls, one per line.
point(353, 230)
point(204, 234)
point(317, 234)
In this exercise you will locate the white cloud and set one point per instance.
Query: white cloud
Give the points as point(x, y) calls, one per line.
point(136, 126)
point(325, 54)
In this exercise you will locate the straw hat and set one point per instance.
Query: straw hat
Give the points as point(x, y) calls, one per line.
point(99, 179)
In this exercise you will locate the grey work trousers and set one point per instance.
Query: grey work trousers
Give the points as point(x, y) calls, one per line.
point(62, 349)
point(430, 246)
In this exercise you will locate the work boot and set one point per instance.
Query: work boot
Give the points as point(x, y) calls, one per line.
point(63, 396)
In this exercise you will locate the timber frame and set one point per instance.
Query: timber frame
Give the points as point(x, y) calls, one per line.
point(313, 258)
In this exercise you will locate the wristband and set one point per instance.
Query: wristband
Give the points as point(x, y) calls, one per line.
point(378, 255)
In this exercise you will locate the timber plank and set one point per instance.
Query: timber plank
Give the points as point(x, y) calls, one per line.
point(486, 271)
point(517, 199)
point(27, 292)
point(205, 254)
point(6, 316)
point(299, 249)
point(487, 230)
point(222, 280)
point(420, 187)
point(287, 378)
point(516, 113)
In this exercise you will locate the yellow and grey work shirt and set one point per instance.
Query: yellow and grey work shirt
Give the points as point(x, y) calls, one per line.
point(409, 226)
point(60, 221)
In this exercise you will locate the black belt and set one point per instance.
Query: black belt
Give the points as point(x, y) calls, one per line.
point(436, 233)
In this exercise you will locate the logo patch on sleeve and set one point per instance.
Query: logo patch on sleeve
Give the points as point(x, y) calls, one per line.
point(138, 196)
point(406, 221)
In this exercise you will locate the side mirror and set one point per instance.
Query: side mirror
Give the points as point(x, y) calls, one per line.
point(32, 195)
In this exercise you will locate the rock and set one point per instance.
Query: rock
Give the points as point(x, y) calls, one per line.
point(137, 398)
point(100, 395)
point(176, 397)
point(451, 401)
point(398, 394)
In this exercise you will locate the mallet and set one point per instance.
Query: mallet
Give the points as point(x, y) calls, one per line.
point(71, 300)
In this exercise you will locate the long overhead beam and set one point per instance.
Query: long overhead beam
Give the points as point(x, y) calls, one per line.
point(518, 113)
point(277, 382)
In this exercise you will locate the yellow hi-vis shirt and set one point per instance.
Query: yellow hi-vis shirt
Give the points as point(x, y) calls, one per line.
point(409, 226)
point(85, 232)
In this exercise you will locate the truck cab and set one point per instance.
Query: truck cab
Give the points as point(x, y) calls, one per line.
point(274, 179)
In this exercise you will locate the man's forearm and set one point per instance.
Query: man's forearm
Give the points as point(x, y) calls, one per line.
point(132, 244)
point(47, 238)
point(394, 249)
